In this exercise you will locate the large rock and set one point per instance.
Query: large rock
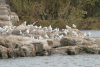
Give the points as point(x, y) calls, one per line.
point(38, 46)
point(3, 52)
point(69, 50)
point(10, 52)
point(79, 49)
point(14, 17)
point(97, 40)
point(71, 41)
point(10, 42)
point(5, 17)
point(4, 23)
point(54, 43)
point(4, 12)
point(91, 49)
point(59, 50)
point(27, 50)
point(67, 42)
point(72, 50)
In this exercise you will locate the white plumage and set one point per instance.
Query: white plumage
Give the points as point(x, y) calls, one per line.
point(35, 26)
point(21, 33)
point(51, 37)
point(35, 23)
point(85, 34)
point(32, 37)
point(89, 33)
point(50, 28)
point(40, 37)
point(26, 32)
point(46, 36)
point(40, 27)
point(61, 36)
point(68, 27)
point(23, 24)
point(45, 28)
point(74, 26)
point(75, 33)
point(65, 31)
point(55, 30)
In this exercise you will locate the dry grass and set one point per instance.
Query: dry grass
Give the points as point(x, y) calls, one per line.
point(58, 13)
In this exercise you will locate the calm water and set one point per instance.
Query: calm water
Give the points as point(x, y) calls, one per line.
point(94, 33)
point(53, 61)
point(85, 60)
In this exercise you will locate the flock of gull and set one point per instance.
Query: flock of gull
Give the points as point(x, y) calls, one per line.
point(35, 28)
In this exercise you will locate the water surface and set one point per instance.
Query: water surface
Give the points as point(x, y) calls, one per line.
point(53, 61)
point(94, 33)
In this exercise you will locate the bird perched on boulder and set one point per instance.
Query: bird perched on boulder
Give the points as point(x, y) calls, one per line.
point(50, 28)
point(35, 23)
point(46, 36)
point(26, 32)
point(85, 34)
point(61, 36)
point(23, 24)
point(89, 34)
point(39, 27)
point(75, 33)
point(21, 32)
point(32, 37)
point(40, 37)
point(68, 27)
point(74, 26)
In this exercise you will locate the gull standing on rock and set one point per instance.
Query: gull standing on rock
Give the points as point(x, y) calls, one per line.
point(35, 27)
point(40, 37)
point(46, 36)
point(68, 27)
point(21, 33)
point(74, 26)
point(35, 23)
point(27, 31)
point(45, 28)
point(55, 30)
point(23, 24)
point(85, 34)
point(61, 36)
point(75, 33)
point(52, 37)
point(89, 34)
point(50, 28)
point(65, 31)
point(39, 27)
point(32, 37)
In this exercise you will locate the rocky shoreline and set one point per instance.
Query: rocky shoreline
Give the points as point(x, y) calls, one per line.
point(23, 46)
point(32, 40)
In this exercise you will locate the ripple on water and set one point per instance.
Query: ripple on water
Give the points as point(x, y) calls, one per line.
point(53, 61)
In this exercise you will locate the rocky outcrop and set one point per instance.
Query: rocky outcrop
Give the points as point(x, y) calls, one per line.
point(3, 52)
point(6, 16)
point(21, 46)
point(67, 42)
point(72, 41)
point(24, 41)
point(4, 23)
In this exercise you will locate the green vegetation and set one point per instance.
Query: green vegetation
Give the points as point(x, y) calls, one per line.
point(84, 13)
